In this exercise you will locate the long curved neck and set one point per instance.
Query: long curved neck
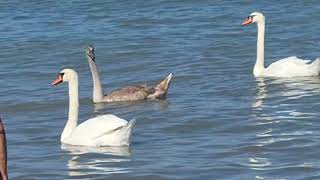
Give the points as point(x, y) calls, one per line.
point(97, 88)
point(73, 107)
point(259, 66)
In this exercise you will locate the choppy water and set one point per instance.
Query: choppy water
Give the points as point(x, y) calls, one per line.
point(218, 122)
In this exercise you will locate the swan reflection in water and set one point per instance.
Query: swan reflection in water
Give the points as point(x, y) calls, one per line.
point(261, 94)
point(277, 101)
point(283, 89)
point(96, 160)
point(128, 105)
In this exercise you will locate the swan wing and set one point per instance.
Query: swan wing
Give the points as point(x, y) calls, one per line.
point(95, 127)
point(130, 93)
point(292, 61)
point(291, 66)
point(101, 124)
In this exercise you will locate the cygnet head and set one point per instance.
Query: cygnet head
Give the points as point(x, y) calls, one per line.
point(90, 52)
point(64, 76)
point(254, 17)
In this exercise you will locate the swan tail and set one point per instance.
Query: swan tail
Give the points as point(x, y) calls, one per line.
point(162, 88)
point(126, 131)
point(316, 64)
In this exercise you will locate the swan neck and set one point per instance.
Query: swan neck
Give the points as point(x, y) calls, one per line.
point(97, 88)
point(73, 107)
point(259, 66)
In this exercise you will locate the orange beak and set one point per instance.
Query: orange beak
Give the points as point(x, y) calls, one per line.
point(58, 80)
point(247, 21)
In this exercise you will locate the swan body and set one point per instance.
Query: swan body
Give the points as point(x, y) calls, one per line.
point(292, 67)
point(287, 67)
point(129, 93)
point(105, 130)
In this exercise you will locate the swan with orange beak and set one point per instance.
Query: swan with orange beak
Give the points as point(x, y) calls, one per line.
point(105, 130)
point(287, 67)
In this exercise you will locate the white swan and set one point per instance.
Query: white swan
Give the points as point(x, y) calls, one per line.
point(287, 67)
point(129, 93)
point(106, 130)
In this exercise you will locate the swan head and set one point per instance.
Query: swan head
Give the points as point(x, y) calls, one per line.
point(90, 52)
point(64, 76)
point(254, 17)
